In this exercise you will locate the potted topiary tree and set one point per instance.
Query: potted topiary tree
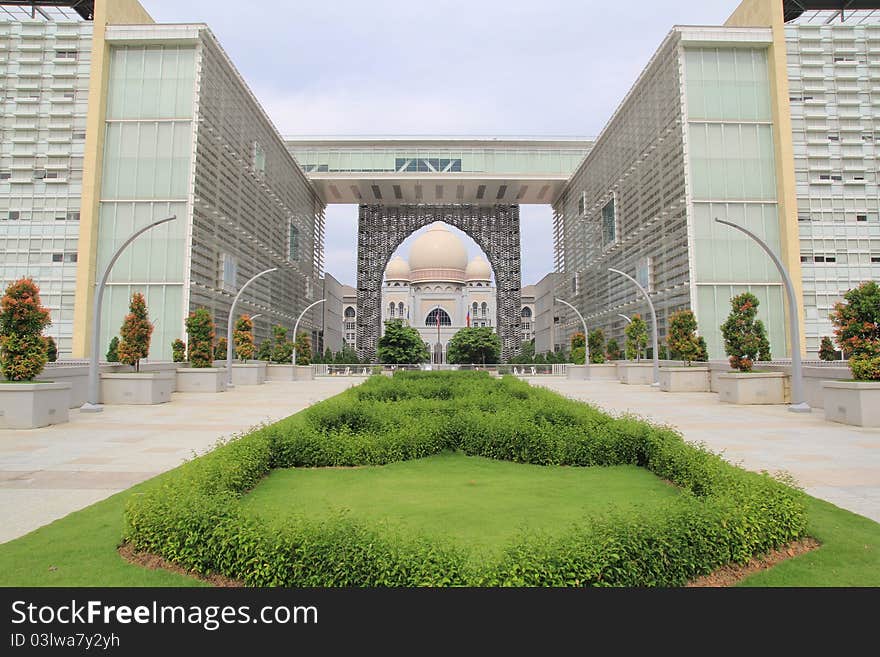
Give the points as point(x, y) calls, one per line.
point(303, 345)
point(685, 344)
point(280, 369)
point(612, 350)
point(745, 342)
point(136, 387)
point(598, 368)
point(200, 376)
point(243, 372)
point(857, 332)
point(25, 403)
point(178, 351)
point(577, 368)
point(220, 352)
point(827, 352)
point(633, 370)
point(113, 350)
point(51, 349)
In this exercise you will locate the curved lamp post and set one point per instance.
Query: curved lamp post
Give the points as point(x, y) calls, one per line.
point(653, 327)
point(798, 398)
point(93, 401)
point(628, 319)
point(229, 341)
point(296, 327)
point(586, 335)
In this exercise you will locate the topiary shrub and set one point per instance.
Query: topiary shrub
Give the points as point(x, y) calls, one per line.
point(51, 349)
point(243, 338)
point(136, 331)
point(200, 338)
point(22, 320)
point(265, 350)
point(636, 338)
point(857, 330)
point(578, 340)
point(303, 347)
point(113, 350)
point(178, 351)
point(827, 352)
point(745, 338)
point(220, 349)
point(682, 338)
point(596, 341)
point(282, 348)
point(578, 356)
point(612, 350)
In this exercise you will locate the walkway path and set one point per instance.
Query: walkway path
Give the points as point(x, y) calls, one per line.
point(47, 473)
point(834, 462)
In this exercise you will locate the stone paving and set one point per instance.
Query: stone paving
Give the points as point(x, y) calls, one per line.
point(47, 473)
point(831, 461)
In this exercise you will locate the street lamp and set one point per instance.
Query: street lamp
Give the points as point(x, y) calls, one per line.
point(798, 398)
point(628, 319)
point(229, 345)
point(583, 321)
point(296, 327)
point(93, 402)
point(653, 328)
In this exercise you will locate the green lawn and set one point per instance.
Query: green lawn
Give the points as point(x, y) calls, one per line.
point(479, 503)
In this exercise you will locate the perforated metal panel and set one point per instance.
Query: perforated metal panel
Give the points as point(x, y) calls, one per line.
point(495, 229)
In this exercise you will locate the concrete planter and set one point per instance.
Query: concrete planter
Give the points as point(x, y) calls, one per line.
point(249, 374)
point(684, 379)
point(853, 402)
point(304, 373)
point(752, 387)
point(77, 376)
point(137, 387)
point(33, 405)
point(635, 373)
point(279, 372)
point(201, 379)
point(602, 372)
point(578, 372)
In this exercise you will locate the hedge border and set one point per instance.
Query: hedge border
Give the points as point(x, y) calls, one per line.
point(725, 514)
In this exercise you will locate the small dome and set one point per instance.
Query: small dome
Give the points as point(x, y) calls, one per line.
point(397, 270)
point(478, 270)
point(438, 248)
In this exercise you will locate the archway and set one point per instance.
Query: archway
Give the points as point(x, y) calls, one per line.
point(495, 229)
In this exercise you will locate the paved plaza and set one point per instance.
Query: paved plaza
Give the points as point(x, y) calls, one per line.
point(47, 473)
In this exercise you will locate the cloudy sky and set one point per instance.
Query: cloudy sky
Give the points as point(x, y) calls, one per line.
point(444, 67)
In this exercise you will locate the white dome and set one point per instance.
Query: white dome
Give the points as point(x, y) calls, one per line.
point(478, 270)
point(397, 270)
point(438, 249)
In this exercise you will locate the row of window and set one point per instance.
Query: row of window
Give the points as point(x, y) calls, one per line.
point(808, 217)
point(64, 257)
point(831, 259)
point(16, 215)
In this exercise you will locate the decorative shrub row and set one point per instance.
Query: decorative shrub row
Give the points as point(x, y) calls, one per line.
point(724, 514)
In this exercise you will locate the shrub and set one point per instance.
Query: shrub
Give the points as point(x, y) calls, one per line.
point(857, 330)
point(178, 351)
point(578, 356)
point(22, 321)
point(612, 350)
point(51, 349)
point(243, 337)
point(195, 518)
point(578, 340)
point(636, 338)
point(474, 344)
point(220, 349)
point(265, 350)
point(596, 341)
point(401, 344)
point(282, 348)
point(113, 350)
point(745, 338)
point(200, 338)
point(136, 331)
point(303, 349)
point(703, 352)
point(682, 338)
point(827, 351)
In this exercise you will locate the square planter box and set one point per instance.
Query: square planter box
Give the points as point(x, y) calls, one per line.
point(278, 372)
point(853, 402)
point(201, 379)
point(577, 372)
point(304, 373)
point(137, 387)
point(248, 374)
point(602, 372)
point(33, 405)
point(635, 372)
point(752, 387)
point(684, 379)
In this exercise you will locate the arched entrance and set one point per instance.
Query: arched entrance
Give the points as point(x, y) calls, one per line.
point(495, 229)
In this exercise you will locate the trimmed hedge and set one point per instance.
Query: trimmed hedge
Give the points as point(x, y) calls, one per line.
point(724, 514)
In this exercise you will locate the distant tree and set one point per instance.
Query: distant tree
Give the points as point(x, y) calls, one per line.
point(578, 340)
point(526, 353)
point(51, 349)
point(579, 355)
point(475, 344)
point(282, 348)
point(265, 350)
point(401, 344)
point(827, 351)
point(612, 349)
point(703, 354)
point(636, 338)
point(348, 356)
point(200, 338)
point(22, 321)
point(303, 346)
point(745, 338)
point(113, 350)
point(243, 338)
point(857, 330)
point(328, 355)
point(178, 351)
point(682, 338)
point(136, 331)
point(220, 349)
point(596, 340)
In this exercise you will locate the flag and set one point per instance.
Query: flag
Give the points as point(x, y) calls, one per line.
point(469, 318)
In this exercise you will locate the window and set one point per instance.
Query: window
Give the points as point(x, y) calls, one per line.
point(526, 312)
point(391, 308)
point(293, 243)
point(57, 257)
point(875, 259)
point(434, 315)
point(526, 327)
point(65, 54)
point(582, 203)
point(39, 174)
point(400, 308)
point(228, 272)
point(69, 257)
point(484, 309)
point(258, 156)
point(73, 216)
point(609, 228)
point(350, 312)
point(861, 217)
point(78, 136)
point(643, 273)
point(14, 215)
point(5, 175)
